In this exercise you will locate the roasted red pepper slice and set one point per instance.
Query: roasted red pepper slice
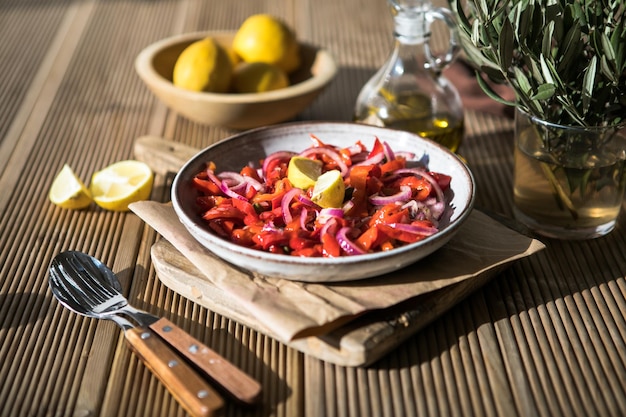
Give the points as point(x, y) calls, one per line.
point(421, 188)
point(401, 235)
point(390, 213)
point(365, 181)
point(224, 212)
point(206, 186)
point(378, 148)
point(248, 171)
point(269, 238)
point(330, 246)
point(442, 179)
point(393, 165)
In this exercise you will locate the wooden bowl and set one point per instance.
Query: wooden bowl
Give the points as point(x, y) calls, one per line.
point(155, 65)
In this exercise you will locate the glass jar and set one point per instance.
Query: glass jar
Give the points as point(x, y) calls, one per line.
point(568, 181)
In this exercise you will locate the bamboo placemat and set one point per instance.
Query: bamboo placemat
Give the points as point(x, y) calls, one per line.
point(546, 337)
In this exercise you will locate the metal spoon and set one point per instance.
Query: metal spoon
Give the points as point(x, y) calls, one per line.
point(87, 286)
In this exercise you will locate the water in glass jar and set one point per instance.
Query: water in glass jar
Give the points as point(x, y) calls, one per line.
point(568, 200)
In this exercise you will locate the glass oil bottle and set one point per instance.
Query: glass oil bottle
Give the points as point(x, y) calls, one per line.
point(409, 91)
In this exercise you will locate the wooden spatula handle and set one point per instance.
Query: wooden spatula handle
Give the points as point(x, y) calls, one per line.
point(188, 388)
point(231, 379)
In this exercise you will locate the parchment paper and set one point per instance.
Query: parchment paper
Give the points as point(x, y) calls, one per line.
point(293, 309)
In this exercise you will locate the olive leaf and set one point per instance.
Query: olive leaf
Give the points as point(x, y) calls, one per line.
point(588, 83)
point(505, 45)
point(544, 92)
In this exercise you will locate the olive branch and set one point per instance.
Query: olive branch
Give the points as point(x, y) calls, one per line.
point(564, 59)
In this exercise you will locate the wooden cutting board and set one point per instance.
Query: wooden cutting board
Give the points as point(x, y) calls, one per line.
point(358, 343)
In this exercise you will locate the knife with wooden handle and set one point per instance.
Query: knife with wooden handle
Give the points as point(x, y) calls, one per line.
point(188, 388)
point(231, 380)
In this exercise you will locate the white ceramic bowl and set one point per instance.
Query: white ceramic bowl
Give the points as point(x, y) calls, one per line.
point(155, 66)
point(236, 151)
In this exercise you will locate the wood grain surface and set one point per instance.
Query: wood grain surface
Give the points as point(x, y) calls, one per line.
point(546, 337)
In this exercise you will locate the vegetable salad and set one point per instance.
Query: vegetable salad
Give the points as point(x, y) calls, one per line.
point(389, 200)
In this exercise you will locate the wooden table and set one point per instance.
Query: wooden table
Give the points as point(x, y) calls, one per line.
point(544, 338)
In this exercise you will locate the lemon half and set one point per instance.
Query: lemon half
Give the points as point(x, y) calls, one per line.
point(120, 184)
point(329, 190)
point(68, 191)
point(302, 172)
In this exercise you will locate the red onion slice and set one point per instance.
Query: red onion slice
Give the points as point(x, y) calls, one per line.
point(389, 154)
point(346, 243)
point(326, 228)
point(414, 229)
point(303, 217)
point(401, 196)
point(326, 214)
point(332, 154)
point(233, 181)
point(426, 176)
point(308, 202)
point(373, 160)
point(286, 201)
point(254, 183)
point(224, 188)
point(274, 156)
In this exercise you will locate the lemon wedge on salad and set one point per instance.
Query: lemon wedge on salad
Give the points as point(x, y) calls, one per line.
point(302, 172)
point(329, 190)
point(120, 184)
point(68, 191)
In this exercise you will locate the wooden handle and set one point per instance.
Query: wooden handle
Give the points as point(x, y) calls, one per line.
point(236, 383)
point(182, 381)
point(163, 156)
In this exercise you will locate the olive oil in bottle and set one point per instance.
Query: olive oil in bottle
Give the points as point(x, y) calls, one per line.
point(409, 92)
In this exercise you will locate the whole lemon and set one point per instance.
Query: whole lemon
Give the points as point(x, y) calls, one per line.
point(203, 66)
point(258, 77)
point(228, 48)
point(264, 38)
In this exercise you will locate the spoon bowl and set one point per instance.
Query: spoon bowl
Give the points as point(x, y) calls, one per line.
point(85, 285)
